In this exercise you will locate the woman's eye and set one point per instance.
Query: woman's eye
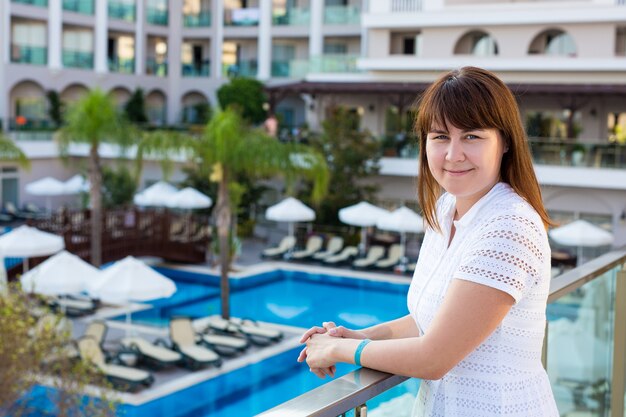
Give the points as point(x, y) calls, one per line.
point(472, 137)
point(441, 137)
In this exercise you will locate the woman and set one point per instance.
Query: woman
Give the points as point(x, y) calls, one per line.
point(477, 300)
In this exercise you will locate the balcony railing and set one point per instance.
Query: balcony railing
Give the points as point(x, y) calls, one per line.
point(242, 17)
point(40, 3)
point(197, 69)
point(153, 67)
point(240, 69)
point(201, 19)
point(122, 65)
point(77, 59)
point(122, 10)
point(24, 124)
point(79, 6)
point(342, 15)
point(157, 16)
point(584, 350)
point(26, 54)
point(334, 64)
point(292, 17)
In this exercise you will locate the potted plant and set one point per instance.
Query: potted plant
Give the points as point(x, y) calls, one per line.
point(578, 154)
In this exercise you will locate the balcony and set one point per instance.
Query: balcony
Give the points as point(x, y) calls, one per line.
point(201, 19)
point(338, 63)
point(153, 67)
point(122, 65)
point(40, 3)
point(584, 349)
point(197, 69)
point(295, 68)
point(26, 54)
point(157, 16)
point(77, 59)
point(241, 69)
point(242, 17)
point(342, 15)
point(292, 17)
point(79, 6)
point(122, 10)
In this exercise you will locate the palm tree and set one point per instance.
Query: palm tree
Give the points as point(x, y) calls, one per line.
point(94, 120)
point(230, 148)
point(9, 151)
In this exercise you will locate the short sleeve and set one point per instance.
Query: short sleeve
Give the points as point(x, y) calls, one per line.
point(506, 254)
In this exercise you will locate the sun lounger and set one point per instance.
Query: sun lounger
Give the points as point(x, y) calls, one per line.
point(97, 330)
point(344, 256)
point(374, 254)
point(122, 377)
point(255, 333)
point(313, 245)
point(285, 245)
point(156, 355)
point(332, 248)
point(73, 307)
point(226, 345)
point(394, 256)
point(185, 340)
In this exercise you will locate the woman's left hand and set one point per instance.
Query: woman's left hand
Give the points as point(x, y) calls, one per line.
point(319, 349)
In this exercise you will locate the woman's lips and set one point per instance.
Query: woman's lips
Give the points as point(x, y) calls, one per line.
point(457, 173)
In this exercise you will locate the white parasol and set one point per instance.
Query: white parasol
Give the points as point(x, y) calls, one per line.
point(581, 233)
point(362, 214)
point(290, 210)
point(402, 220)
point(158, 194)
point(47, 187)
point(189, 198)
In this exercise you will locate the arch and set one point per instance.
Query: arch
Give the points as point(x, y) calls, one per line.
point(120, 95)
point(156, 107)
point(477, 43)
point(554, 42)
point(28, 99)
point(196, 108)
point(194, 97)
point(73, 92)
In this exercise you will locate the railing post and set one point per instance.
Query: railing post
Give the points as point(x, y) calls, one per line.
point(619, 347)
point(360, 411)
point(544, 351)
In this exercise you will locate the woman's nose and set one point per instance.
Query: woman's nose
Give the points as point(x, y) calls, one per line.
point(455, 151)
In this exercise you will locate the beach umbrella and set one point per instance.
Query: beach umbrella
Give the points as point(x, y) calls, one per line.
point(25, 242)
point(189, 198)
point(363, 215)
point(76, 184)
point(63, 273)
point(290, 210)
point(131, 280)
point(581, 233)
point(402, 220)
point(158, 194)
point(46, 187)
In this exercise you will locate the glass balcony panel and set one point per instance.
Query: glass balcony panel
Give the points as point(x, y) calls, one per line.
point(242, 17)
point(580, 343)
point(156, 115)
point(241, 69)
point(335, 64)
point(40, 3)
point(121, 10)
point(202, 19)
point(79, 6)
point(196, 69)
point(341, 15)
point(564, 152)
point(157, 16)
point(292, 17)
point(153, 67)
point(77, 59)
point(26, 54)
point(122, 65)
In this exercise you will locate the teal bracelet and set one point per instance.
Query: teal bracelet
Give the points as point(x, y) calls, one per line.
point(359, 350)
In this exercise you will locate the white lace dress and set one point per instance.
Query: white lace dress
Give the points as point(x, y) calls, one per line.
point(499, 242)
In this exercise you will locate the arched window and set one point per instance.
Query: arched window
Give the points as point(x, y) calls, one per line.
point(553, 42)
point(477, 43)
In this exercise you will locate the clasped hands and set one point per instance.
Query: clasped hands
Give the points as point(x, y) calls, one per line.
point(320, 342)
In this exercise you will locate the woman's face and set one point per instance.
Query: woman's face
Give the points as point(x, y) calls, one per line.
point(466, 163)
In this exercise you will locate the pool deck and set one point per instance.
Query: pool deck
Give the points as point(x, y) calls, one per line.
point(176, 378)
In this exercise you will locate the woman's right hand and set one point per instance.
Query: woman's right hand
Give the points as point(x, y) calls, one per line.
point(340, 331)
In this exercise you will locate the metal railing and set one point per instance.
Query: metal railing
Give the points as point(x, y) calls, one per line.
point(77, 59)
point(293, 16)
point(200, 19)
point(341, 15)
point(604, 276)
point(79, 6)
point(122, 10)
point(40, 3)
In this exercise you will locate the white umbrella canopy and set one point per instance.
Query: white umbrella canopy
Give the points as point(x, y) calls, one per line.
point(189, 198)
point(76, 184)
point(131, 280)
point(47, 186)
point(158, 194)
point(402, 220)
point(63, 273)
point(290, 210)
point(362, 214)
point(581, 233)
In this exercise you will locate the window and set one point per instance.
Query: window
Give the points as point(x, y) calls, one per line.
point(408, 46)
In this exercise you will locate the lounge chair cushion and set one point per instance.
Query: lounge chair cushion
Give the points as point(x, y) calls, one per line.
point(286, 244)
point(244, 326)
point(229, 341)
point(396, 252)
point(146, 348)
point(313, 245)
point(345, 254)
point(199, 353)
point(334, 246)
point(373, 255)
point(124, 372)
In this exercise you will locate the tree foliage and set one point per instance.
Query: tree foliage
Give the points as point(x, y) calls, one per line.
point(36, 372)
point(119, 186)
point(246, 96)
point(9, 151)
point(352, 157)
point(55, 107)
point(135, 108)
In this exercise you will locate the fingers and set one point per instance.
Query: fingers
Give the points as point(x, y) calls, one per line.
point(318, 372)
point(339, 332)
point(328, 325)
point(323, 372)
point(302, 355)
point(310, 332)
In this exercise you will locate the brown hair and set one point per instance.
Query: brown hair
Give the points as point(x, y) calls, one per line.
point(474, 98)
